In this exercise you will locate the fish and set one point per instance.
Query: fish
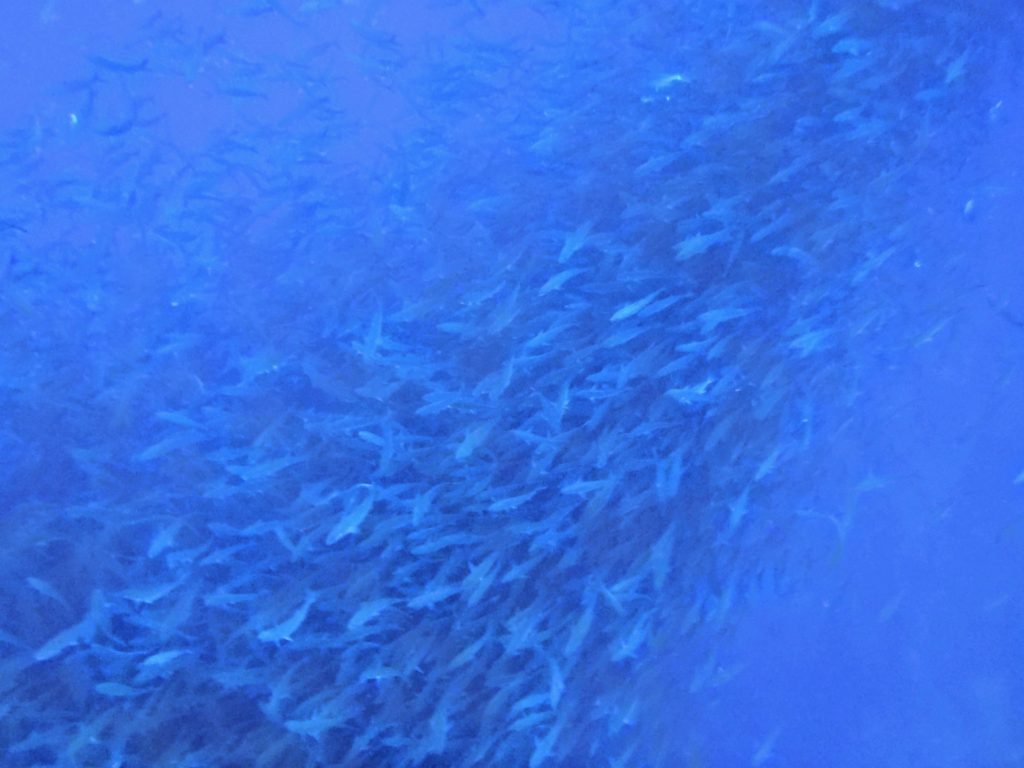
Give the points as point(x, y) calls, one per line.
point(694, 394)
point(150, 593)
point(556, 281)
point(77, 634)
point(661, 556)
point(350, 523)
point(710, 320)
point(432, 594)
point(574, 241)
point(587, 488)
point(283, 632)
point(47, 590)
point(163, 658)
point(170, 444)
point(480, 578)
point(368, 612)
point(544, 748)
point(627, 646)
point(675, 78)
point(422, 503)
point(118, 690)
point(474, 438)
point(668, 476)
point(164, 538)
point(581, 628)
point(264, 470)
point(511, 502)
point(316, 725)
point(471, 651)
point(956, 68)
point(633, 308)
point(766, 749)
point(556, 686)
point(121, 67)
point(699, 244)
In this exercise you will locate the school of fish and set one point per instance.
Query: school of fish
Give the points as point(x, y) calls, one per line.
point(426, 459)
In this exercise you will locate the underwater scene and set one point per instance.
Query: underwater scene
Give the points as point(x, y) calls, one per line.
point(512, 383)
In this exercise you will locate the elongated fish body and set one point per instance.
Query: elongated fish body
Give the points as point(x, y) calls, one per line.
point(283, 632)
point(351, 521)
point(77, 634)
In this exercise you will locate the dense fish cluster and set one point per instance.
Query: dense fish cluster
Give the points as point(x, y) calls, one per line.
point(424, 459)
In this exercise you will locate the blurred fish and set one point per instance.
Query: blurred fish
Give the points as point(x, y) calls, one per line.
point(283, 632)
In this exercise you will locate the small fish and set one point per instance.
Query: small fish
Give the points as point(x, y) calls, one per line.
point(811, 341)
point(892, 607)
point(659, 306)
point(713, 318)
point(529, 702)
point(221, 598)
point(284, 631)
point(661, 556)
point(46, 589)
point(555, 282)
point(831, 25)
point(557, 683)
point(118, 690)
point(700, 243)
point(580, 629)
point(179, 419)
point(376, 674)
point(956, 68)
point(438, 725)
point(351, 520)
point(316, 725)
point(162, 658)
point(421, 505)
point(635, 307)
point(118, 129)
point(124, 67)
point(543, 748)
point(530, 720)
point(146, 595)
point(586, 487)
point(524, 629)
point(694, 394)
point(480, 578)
point(82, 632)
point(470, 652)
point(367, 612)
point(512, 502)
point(769, 463)
point(475, 436)
point(668, 476)
point(626, 647)
point(852, 46)
point(264, 470)
point(164, 538)
point(574, 241)
point(666, 81)
point(738, 510)
point(169, 445)
point(766, 751)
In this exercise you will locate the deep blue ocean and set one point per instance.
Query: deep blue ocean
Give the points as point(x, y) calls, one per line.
point(527, 384)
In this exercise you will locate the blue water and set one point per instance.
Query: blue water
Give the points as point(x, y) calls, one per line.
point(511, 384)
